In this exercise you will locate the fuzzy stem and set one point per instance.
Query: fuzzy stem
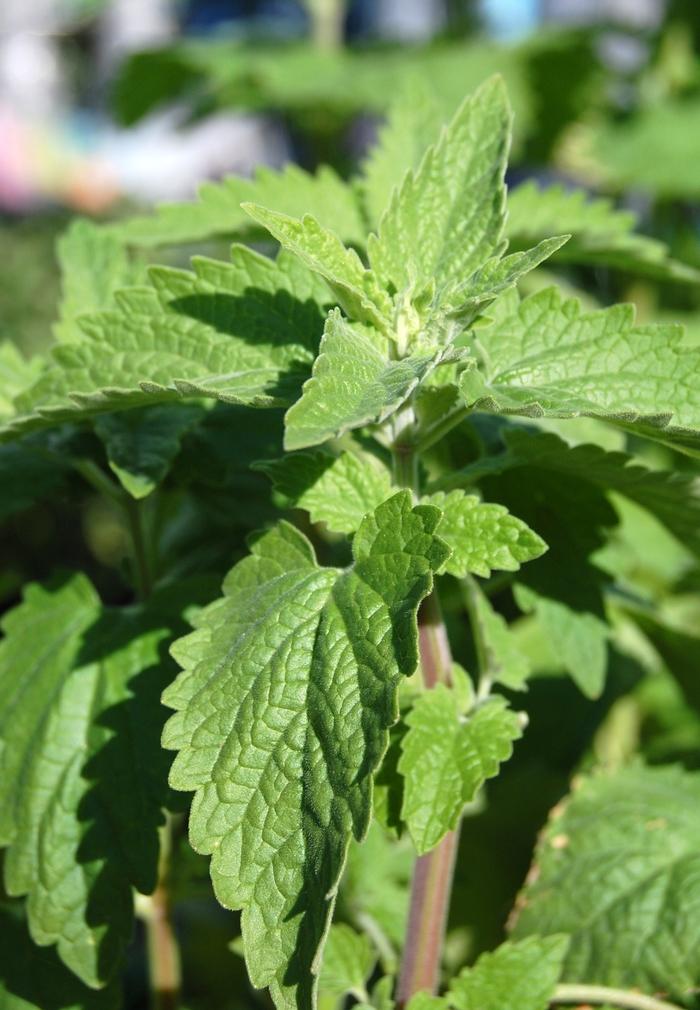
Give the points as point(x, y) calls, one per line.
point(162, 945)
point(624, 998)
point(431, 886)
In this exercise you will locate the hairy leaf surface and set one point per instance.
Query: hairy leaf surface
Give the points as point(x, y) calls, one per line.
point(217, 210)
point(618, 869)
point(483, 536)
point(548, 358)
point(243, 332)
point(446, 219)
point(289, 688)
point(82, 777)
point(336, 490)
point(600, 234)
point(446, 758)
point(356, 288)
point(354, 382)
point(515, 976)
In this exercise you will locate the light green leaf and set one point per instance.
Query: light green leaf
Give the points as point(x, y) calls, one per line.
point(412, 125)
point(217, 210)
point(548, 358)
point(94, 265)
point(497, 275)
point(617, 869)
point(447, 757)
point(289, 688)
point(17, 373)
point(354, 382)
point(141, 444)
point(515, 976)
point(348, 961)
point(336, 490)
point(34, 979)
point(500, 658)
point(579, 639)
point(357, 289)
point(601, 235)
point(446, 219)
point(426, 1001)
point(483, 536)
point(243, 332)
point(82, 778)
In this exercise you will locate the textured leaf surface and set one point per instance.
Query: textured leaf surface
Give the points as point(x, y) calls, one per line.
point(243, 332)
point(353, 383)
point(618, 869)
point(446, 758)
point(94, 265)
point(600, 234)
point(446, 219)
point(515, 976)
point(549, 358)
point(674, 498)
point(336, 490)
point(33, 978)
point(217, 210)
point(348, 961)
point(82, 776)
point(355, 287)
point(483, 536)
point(17, 373)
point(141, 444)
point(288, 690)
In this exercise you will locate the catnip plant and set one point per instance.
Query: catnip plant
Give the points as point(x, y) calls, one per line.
point(385, 421)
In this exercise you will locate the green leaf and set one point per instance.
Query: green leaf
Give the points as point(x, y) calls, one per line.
point(17, 373)
point(601, 235)
point(374, 891)
point(289, 688)
point(82, 778)
point(578, 639)
point(32, 978)
point(217, 210)
point(94, 265)
point(336, 490)
point(353, 383)
point(27, 475)
point(411, 127)
point(548, 358)
point(447, 217)
point(243, 332)
point(564, 587)
point(446, 758)
point(617, 869)
point(141, 444)
point(674, 498)
point(483, 536)
point(348, 961)
point(500, 657)
point(356, 288)
point(515, 976)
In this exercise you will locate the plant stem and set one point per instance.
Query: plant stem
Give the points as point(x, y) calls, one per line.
point(438, 430)
point(431, 886)
point(143, 577)
point(163, 951)
point(623, 998)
